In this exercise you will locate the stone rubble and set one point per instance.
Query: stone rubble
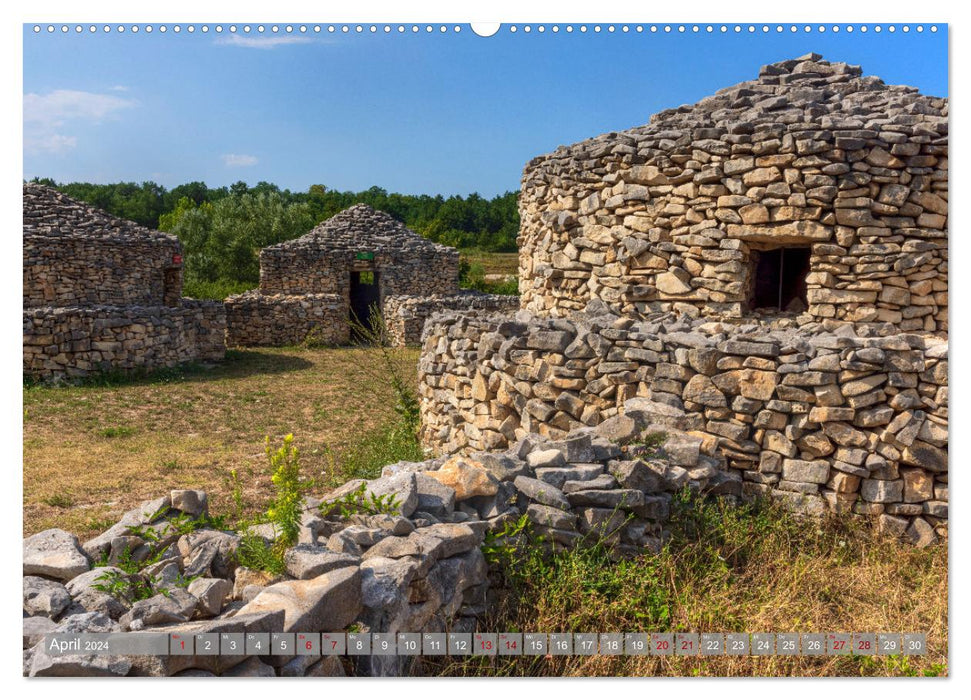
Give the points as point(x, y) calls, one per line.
point(419, 569)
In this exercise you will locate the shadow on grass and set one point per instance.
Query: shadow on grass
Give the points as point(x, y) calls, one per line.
point(238, 363)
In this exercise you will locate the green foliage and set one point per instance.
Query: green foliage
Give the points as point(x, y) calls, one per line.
point(253, 553)
point(362, 502)
point(472, 276)
point(286, 509)
point(222, 229)
point(59, 500)
point(284, 512)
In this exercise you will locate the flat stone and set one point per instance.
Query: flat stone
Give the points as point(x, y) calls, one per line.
point(175, 606)
point(55, 554)
point(882, 491)
point(551, 517)
point(434, 496)
point(604, 481)
point(306, 561)
point(541, 492)
point(614, 498)
point(191, 502)
point(80, 665)
point(546, 458)
point(636, 474)
point(402, 487)
point(328, 602)
point(798, 470)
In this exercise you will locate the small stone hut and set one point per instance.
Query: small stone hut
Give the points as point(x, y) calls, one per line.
point(312, 286)
point(102, 293)
point(813, 188)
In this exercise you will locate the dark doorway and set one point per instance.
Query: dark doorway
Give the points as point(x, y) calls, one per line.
point(780, 279)
point(172, 286)
point(365, 295)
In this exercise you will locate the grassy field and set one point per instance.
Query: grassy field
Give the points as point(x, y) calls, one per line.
point(92, 452)
point(494, 263)
point(753, 568)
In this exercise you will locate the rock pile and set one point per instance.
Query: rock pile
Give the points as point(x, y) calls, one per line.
point(825, 416)
point(678, 214)
point(416, 566)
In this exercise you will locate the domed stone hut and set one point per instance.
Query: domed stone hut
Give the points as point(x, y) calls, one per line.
point(313, 286)
point(101, 293)
point(811, 189)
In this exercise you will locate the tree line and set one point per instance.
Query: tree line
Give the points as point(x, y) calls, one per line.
point(222, 229)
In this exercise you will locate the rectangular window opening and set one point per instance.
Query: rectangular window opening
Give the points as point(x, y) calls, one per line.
point(780, 279)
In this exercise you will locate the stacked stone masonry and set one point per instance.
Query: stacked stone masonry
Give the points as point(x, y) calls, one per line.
point(286, 319)
point(823, 415)
point(418, 567)
point(406, 315)
point(311, 286)
point(847, 174)
point(103, 294)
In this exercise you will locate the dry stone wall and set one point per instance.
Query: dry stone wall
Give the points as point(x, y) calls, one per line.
point(825, 416)
point(677, 214)
point(418, 567)
point(73, 342)
point(405, 316)
point(254, 318)
point(105, 294)
point(76, 255)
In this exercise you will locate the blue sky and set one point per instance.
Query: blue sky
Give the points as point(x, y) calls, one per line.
point(428, 113)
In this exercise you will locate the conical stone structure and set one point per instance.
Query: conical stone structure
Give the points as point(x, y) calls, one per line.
point(835, 177)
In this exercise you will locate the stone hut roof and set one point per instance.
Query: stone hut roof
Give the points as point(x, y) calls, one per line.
point(800, 94)
point(361, 227)
point(53, 215)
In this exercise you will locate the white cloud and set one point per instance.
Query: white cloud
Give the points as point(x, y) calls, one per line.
point(47, 116)
point(261, 42)
point(239, 160)
point(120, 88)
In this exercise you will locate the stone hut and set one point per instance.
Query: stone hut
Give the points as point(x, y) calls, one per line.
point(312, 287)
point(103, 293)
point(763, 274)
point(812, 188)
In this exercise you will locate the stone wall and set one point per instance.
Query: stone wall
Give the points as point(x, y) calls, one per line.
point(76, 255)
point(416, 568)
point(405, 316)
point(826, 415)
point(255, 318)
point(675, 215)
point(102, 293)
point(71, 342)
point(79, 272)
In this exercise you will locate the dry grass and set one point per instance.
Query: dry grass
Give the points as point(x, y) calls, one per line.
point(727, 570)
point(92, 452)
point(494, 263)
